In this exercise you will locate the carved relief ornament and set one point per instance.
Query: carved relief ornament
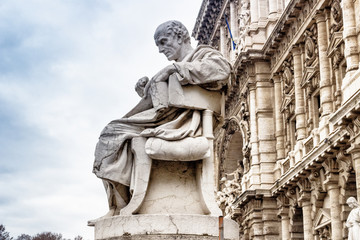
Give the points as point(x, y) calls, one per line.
point(310, 48)
point(288, 76)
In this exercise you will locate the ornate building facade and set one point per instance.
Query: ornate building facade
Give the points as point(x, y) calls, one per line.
point(288, 153)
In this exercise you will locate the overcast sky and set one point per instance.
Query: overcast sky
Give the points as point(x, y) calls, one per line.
point(67, 68)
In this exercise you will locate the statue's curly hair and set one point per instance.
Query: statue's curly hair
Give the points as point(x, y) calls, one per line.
point(175, 27)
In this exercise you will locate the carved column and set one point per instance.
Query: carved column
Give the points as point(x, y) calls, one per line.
point(332, 185)
point(349, 35)
point(272, 8)
point(223, 40)
point(283, 205)
point(263, 9)
point(279, 121)
point(357, 10)
point(265, 123)
point(304, 200)
point(233, 20)
point(254, 11)
point(299, 95)
point(280, 5)
point(325, 81)
point(255, 163)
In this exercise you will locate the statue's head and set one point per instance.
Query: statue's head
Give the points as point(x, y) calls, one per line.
point(172, 37)
point(351, 201)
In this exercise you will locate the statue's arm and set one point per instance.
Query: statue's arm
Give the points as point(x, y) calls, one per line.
point(211, 68)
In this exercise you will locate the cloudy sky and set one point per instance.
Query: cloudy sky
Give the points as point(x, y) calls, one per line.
point(67, 68)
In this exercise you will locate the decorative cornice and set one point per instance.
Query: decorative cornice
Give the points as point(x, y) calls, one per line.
point(247, 195)
point(207, 20)
point(345, 114)
point(316, 155)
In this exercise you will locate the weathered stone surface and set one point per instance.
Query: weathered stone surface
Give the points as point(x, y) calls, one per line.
point(146, 224)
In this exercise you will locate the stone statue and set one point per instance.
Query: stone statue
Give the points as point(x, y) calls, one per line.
point(353, 220)
point(153, 117)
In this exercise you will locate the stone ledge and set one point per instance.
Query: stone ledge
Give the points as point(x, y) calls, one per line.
point(148, 225)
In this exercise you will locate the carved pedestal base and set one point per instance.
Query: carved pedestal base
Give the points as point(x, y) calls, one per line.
point(151, 227)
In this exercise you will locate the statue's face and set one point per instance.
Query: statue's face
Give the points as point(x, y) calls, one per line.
point(170, 45)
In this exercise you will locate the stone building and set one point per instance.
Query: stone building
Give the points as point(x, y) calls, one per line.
point(288, 153)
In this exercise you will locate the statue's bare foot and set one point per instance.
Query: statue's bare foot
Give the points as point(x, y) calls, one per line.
point(110, 213)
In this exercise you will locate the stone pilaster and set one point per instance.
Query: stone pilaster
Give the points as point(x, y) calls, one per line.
point(283, 206)
point(349, 35)
point(326, 97)
point(280, 5)
point(254, 11)
point(299, 95)
point(255, 163)
point(305, 203)
point(263, 9)
point(325, 68)
point(332, 184)
point(223, 40)
point(357, 9)
point(265, 123)
point(279, 122)
point(273, 8)
point(233, 20)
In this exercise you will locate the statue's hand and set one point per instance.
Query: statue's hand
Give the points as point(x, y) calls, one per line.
point(140, 86)
point(163, 74)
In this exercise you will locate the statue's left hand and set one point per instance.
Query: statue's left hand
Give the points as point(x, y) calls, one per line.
point(163, 74)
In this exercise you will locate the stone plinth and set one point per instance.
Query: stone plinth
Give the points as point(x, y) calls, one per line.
point(153, 226)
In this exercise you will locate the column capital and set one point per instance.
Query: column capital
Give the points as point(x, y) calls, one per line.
point(295, 50)
point(305, 191)
point(283, 212)
point(304, 199)
point(252, 86)
point(330, 165)
point(320, 16)
point(276, 78)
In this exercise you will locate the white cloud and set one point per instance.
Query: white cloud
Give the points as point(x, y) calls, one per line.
point(66, 69)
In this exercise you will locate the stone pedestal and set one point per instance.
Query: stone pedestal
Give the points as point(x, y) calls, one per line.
point(154, 226)
point(173, 208)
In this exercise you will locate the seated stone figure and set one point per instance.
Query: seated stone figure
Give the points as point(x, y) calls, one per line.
point(153, 116)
